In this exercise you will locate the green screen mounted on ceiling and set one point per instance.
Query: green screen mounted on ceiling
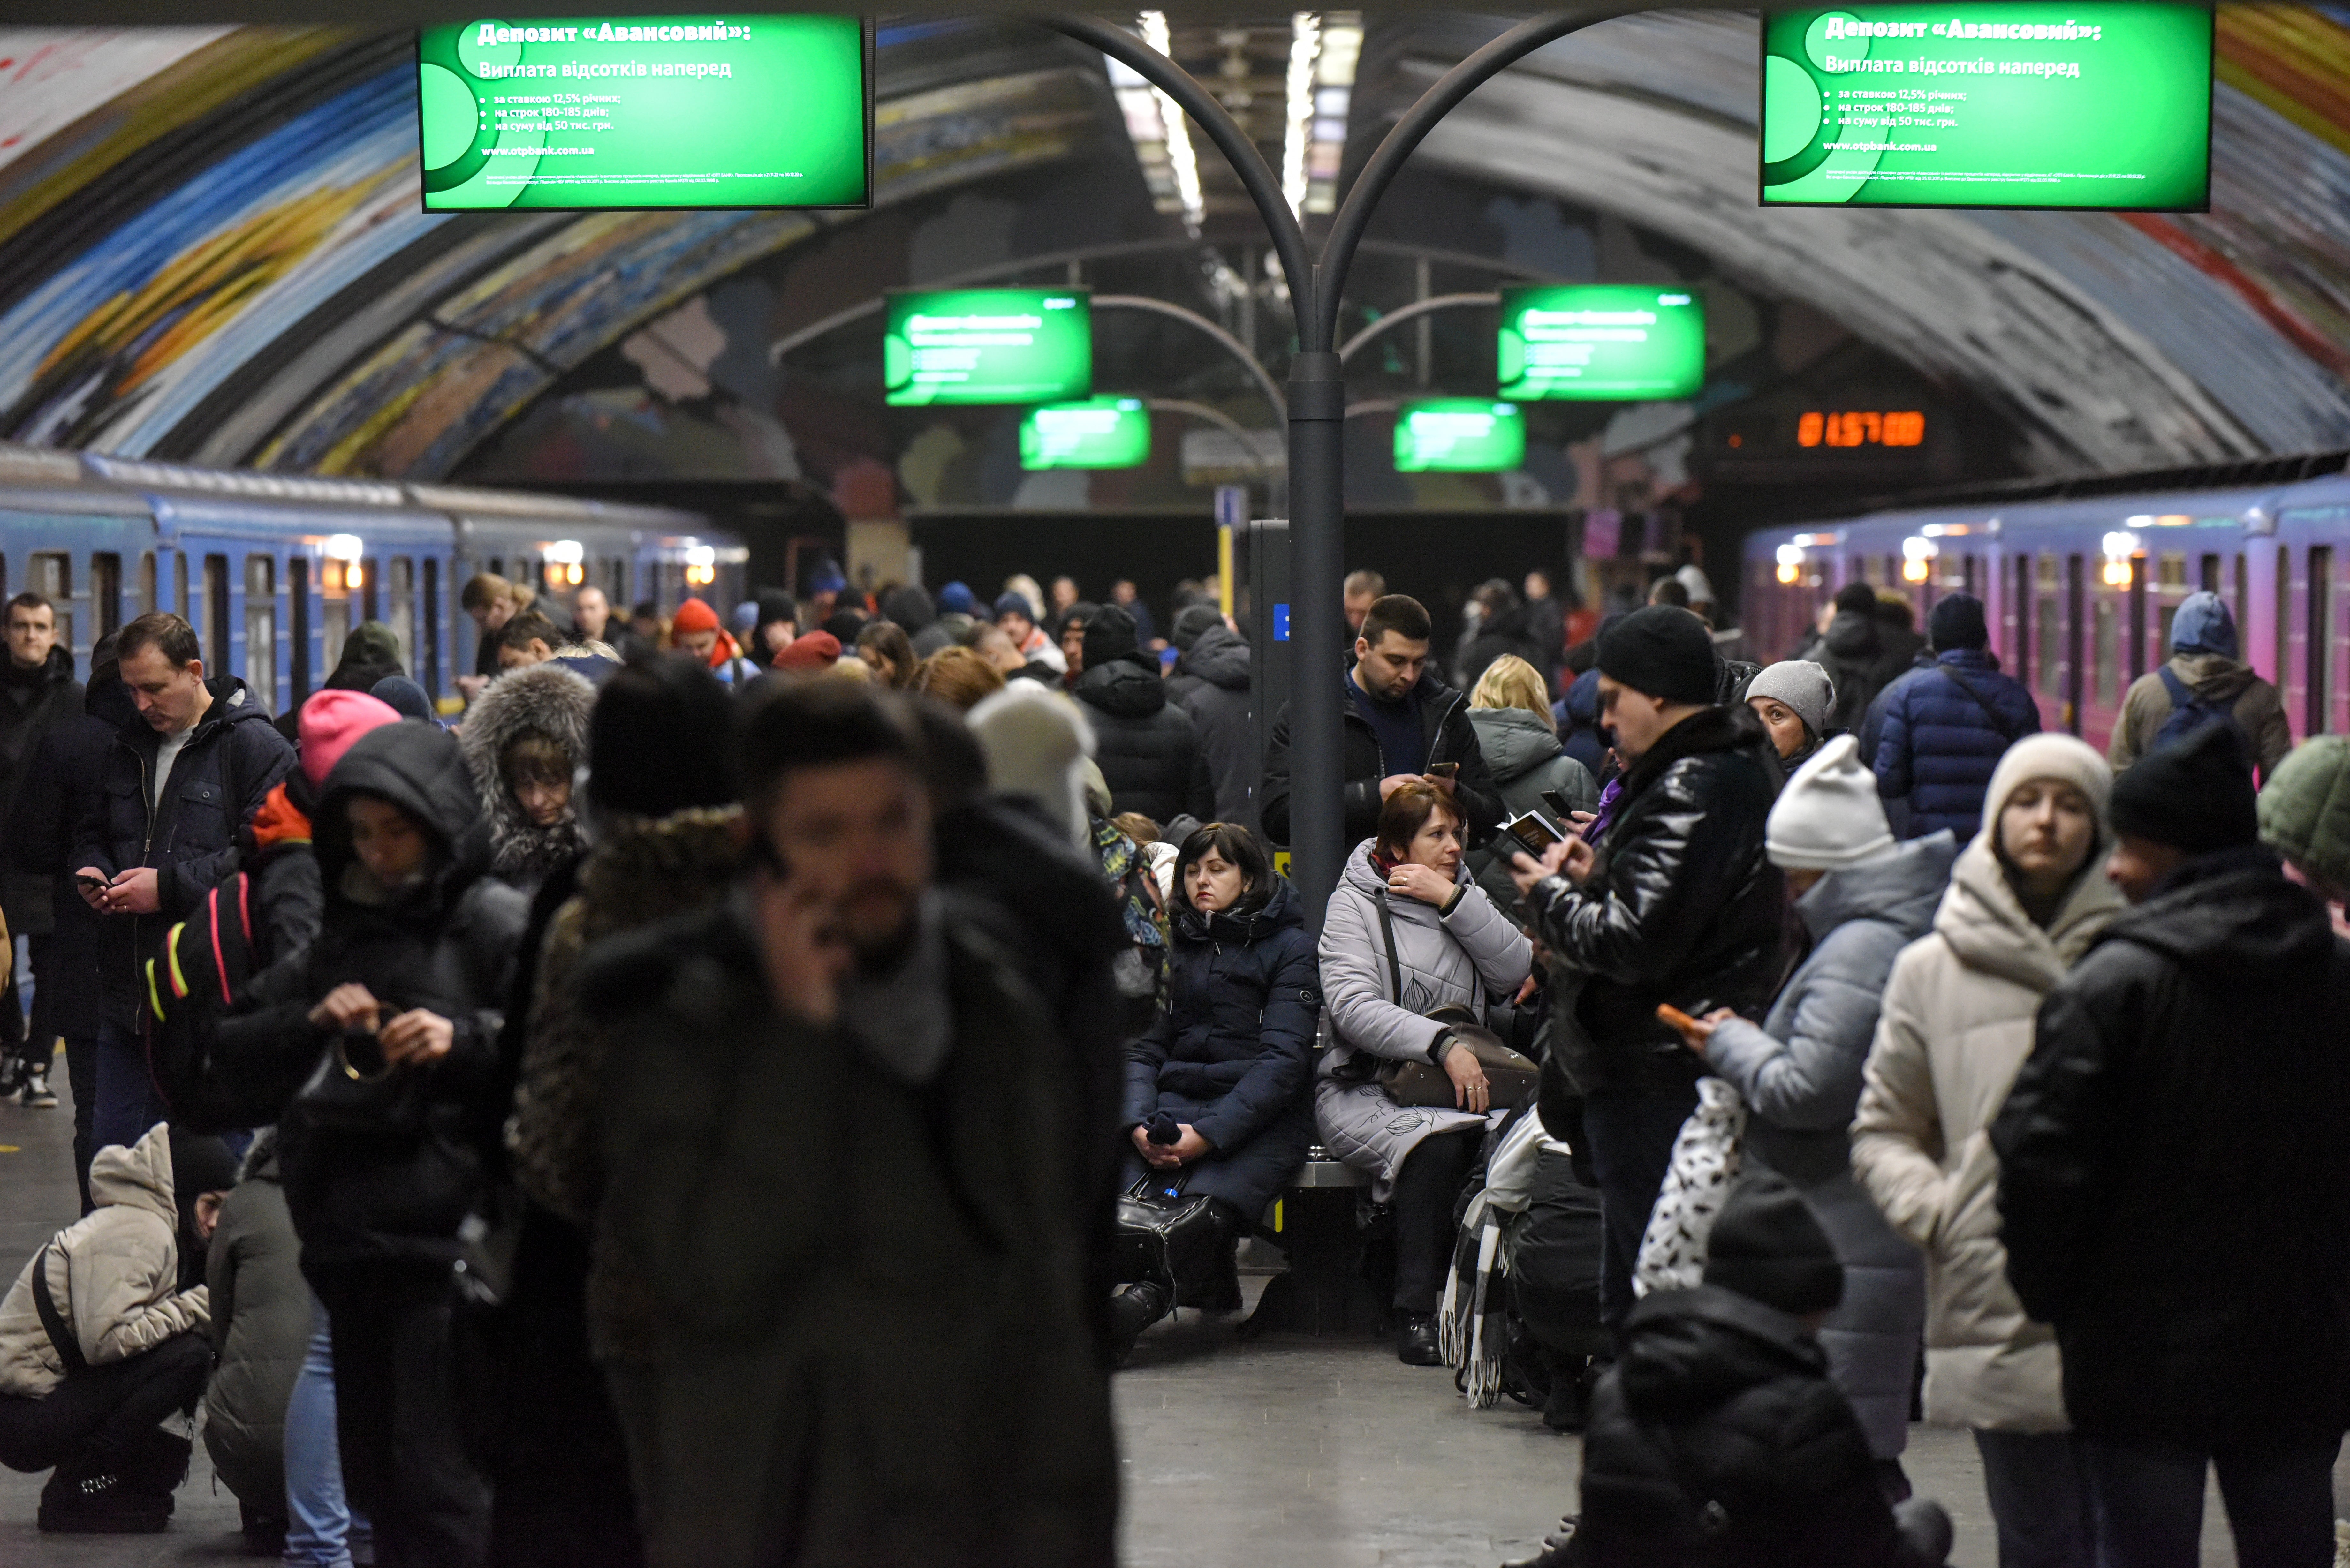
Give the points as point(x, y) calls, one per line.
point(1099, 433)
point(2002, 105)
point(1459, 435)
point(593, 113)
point(1605, 342)
point(987, 345)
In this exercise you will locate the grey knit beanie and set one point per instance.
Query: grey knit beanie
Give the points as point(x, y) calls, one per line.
point(1801, 685)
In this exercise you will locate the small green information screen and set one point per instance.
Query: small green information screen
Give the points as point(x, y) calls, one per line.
point(593, 112)
point(988, 346)
point(1617, 342)
point(1459, 435)
point(1099, 433)
point(2097, 106)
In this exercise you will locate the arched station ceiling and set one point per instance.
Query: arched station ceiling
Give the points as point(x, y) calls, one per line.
point(210, 246)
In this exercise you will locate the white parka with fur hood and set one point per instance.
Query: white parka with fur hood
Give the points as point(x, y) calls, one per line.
point(1957, 1024)
point(114, 1274)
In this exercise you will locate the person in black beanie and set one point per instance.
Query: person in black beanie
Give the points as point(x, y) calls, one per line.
point(2174, 1178)
point(1675, 903)
point(1936, 735)
point(1147, 746)
point(1718, 1438)
point(662, 820)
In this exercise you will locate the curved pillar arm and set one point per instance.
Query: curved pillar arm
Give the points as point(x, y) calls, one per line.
point(1413, 312)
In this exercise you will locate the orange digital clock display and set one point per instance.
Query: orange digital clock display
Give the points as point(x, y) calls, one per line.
point(1861, 428)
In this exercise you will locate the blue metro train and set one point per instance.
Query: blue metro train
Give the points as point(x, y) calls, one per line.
point(273, 570)
point(2079, 589)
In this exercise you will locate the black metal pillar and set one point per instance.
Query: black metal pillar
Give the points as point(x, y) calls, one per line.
point(1317, 401)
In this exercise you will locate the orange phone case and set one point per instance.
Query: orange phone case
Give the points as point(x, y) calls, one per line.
point(1675, 1016)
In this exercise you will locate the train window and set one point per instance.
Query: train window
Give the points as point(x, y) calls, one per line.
point(2048, 631)
point(51, 576)
point(2137, 618)
point(1971, 574)
point(370, 583)
point(2243, 590)
point(2019, 610)
point(2284, 619)
point(3, 575)
point(2076, 606)
point(261, 630)
point(297, 608)
point(335, 619)
point(147, 605)
point(402, 620)
point(216, 613)
point(2321, 635)
point(2207, 572)
point(619, 593)
point(2107, 656)
point(105, 593)
point(431, 663)
point(179, 586)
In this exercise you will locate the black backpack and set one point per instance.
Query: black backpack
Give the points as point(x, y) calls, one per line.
point(198, 973)
point(2190, 710)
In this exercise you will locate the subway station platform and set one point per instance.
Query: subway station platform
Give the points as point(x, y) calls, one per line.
point(1287, 1453)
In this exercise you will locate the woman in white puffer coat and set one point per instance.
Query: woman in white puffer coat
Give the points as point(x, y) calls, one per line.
point(2026, 897)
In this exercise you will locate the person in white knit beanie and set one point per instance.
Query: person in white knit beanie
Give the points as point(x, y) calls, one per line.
point(1828, 817)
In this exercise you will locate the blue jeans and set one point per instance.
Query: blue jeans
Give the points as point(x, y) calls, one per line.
point(2038, 1495)
point(321, 1532)
point(2148, 1499)
point(126, 1096)
point(1631, 1136)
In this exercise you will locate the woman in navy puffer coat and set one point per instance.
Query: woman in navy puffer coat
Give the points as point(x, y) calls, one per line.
point(1221, 1078)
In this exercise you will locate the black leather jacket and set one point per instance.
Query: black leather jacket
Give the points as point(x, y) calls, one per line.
point(1683, 906)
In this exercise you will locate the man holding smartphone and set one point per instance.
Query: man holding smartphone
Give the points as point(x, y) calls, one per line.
point(1401, 724)
point(1676, 904)
point(192, 758)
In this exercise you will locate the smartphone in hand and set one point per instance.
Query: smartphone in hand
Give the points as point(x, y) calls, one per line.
point(1444, 770)
point(1675, 1017)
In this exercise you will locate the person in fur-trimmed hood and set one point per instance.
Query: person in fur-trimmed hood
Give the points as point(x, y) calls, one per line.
point(523, 739)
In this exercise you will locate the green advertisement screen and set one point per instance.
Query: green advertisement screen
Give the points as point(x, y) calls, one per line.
point(1459, 435)
point(646, 111)
point(1099, 433)
point(1617, 342)
point(1989, 105)
point(988, 346)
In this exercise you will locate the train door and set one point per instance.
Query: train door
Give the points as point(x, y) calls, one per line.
point(105, 594)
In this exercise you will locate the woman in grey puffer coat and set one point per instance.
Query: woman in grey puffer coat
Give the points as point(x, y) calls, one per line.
point(1451, 945)
point(1862, 898)
point(1517, 737)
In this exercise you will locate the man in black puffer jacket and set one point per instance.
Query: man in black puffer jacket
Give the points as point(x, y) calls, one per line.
point(2175, 1176)
point(37, 693)
point(1677, 903)
point(1148, 750)
point(193, 758)
point(384, 1161)
point(1717, 1440)
point(1399, 721)
point(1212, 682)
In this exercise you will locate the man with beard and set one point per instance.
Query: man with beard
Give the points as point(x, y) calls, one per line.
point(858, 1180)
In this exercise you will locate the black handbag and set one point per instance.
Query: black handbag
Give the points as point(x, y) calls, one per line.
point(353, 1089)
point(1511, 1075)
point(1165, 1233)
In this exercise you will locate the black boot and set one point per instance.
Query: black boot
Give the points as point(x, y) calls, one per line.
point(1415, 1339)
point(1132, 1309)
point(1559, 1549)
point(1207, 1275)
point(157, 1464)
point(88, 1496)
